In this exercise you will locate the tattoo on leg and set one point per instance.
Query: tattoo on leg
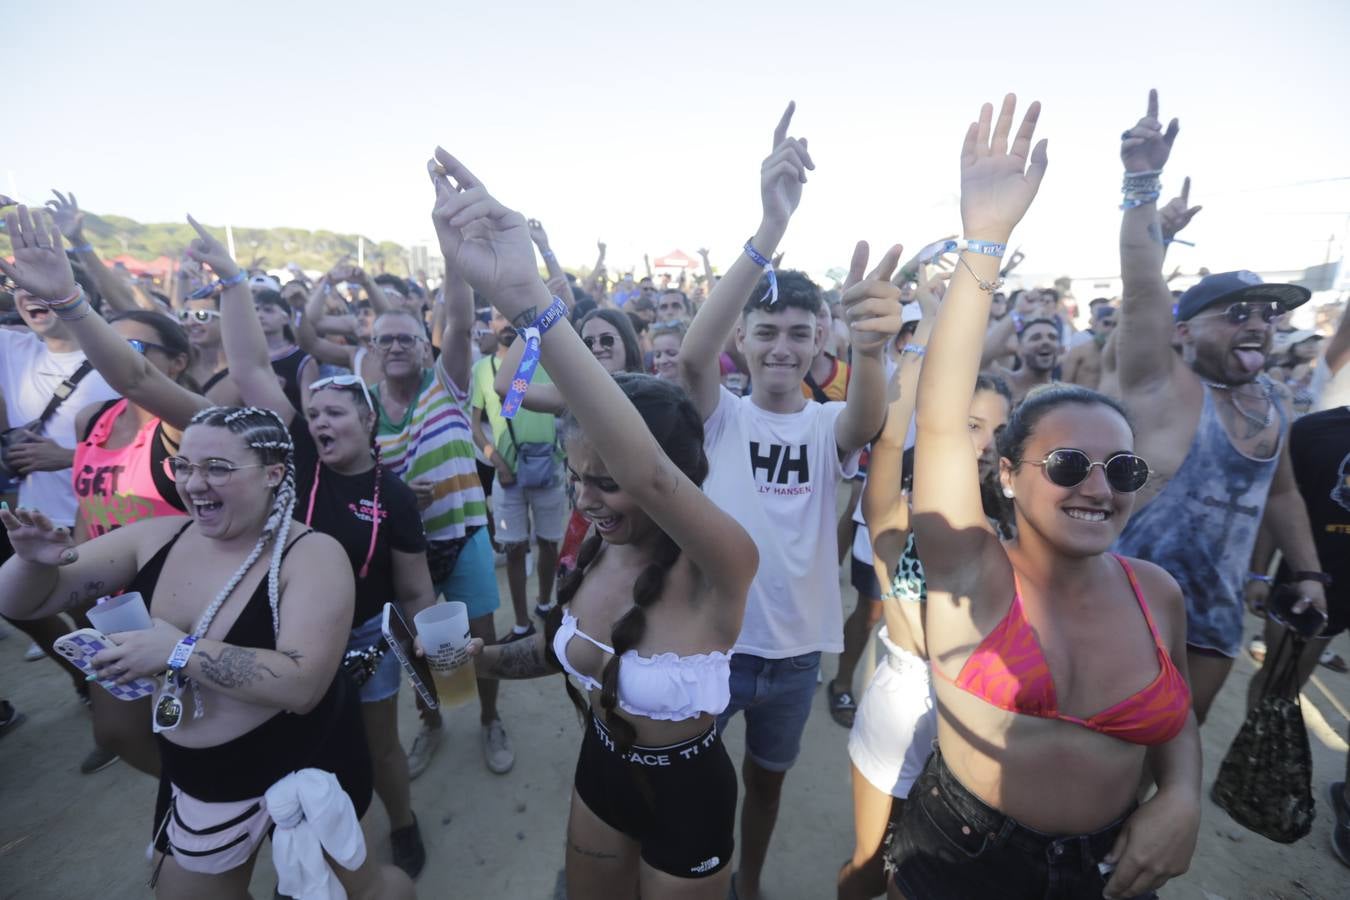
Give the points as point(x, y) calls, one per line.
point(521, 659)
point(526, 318)
point(593, 854)
point(233, 667)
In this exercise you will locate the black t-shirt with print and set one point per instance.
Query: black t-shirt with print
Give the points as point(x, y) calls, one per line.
point(1319, 448)
point(342, 508)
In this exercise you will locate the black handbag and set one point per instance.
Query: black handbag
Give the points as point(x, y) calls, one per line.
point(1265, 780)
point(15, 435)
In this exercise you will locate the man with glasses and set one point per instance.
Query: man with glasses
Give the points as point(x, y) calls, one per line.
point(425, 436)
point(1212, 424)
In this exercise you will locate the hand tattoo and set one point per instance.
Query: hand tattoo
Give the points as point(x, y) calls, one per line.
point(521, 659)
point(233, 667)
point(526, 318)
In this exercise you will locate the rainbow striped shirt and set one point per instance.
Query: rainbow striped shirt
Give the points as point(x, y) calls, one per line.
point(434, 442)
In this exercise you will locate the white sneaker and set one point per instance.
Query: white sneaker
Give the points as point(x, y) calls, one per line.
point(33, 653)
point(497, 752)
point(424, 747)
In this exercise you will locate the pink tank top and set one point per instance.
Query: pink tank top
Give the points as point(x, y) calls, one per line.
point(117, 487)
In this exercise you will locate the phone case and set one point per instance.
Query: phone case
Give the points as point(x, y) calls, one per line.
point(427, 691)
point(82, 646)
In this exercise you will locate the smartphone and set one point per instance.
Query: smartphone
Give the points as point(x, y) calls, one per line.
point(80, 647)
point(1280, 608)
point(400, 638)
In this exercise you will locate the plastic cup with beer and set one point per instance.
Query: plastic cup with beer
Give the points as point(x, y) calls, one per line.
point(444, 630)
point(125, 612)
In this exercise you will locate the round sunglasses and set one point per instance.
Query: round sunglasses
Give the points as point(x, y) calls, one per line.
point(1240, 312)
point(1069, 467)
point(606, 341)
point(197, 315)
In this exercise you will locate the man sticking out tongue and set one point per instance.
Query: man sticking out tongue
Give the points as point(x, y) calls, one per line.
point(1213, 425)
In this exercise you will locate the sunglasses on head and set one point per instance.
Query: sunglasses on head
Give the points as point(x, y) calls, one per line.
point(605, 340)
point(141, 346)
point(1069, 467)
point(198, 315)
point(344, 381)
point(406, 341)
point(1240, 312)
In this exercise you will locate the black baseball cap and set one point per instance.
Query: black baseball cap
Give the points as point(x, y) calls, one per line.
point(1229, 287)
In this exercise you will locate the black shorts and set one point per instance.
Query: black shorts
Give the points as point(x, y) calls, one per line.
point(864, 578)
point(486, 474)
point(677, 802)
point(951, 845)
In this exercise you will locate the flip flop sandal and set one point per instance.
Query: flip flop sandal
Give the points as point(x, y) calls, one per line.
point(1333, 662)
point(842, 706)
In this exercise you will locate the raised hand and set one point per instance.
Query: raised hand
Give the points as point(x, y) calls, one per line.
point(930, 283)
point(998, 183)
point(871, 302)
point(1146, 147)
point(344, 272)
point(483, 242)
point(538, 234)
point(206, 249)
point(1178, 212)
point(65, 212)
point(784, 172)
point(36, 538)
point(40, 266)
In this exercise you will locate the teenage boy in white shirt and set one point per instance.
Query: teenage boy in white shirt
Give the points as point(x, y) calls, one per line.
point(775, 463)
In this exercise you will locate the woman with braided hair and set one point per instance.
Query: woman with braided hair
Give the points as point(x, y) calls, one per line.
point(645, 624)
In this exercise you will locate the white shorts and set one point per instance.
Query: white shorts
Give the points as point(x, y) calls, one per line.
point(896, 722)
point(514, 506)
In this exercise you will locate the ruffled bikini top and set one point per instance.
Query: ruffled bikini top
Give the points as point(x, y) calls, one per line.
point(666, 687)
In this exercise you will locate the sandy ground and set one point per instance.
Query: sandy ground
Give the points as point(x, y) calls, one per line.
point(67, 835)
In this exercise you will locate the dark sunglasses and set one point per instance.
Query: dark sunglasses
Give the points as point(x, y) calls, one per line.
point(141, 346)
point(406, 341)
point(197, 315)
point(1241, 312)
point(605, 340)
point(1068, 467)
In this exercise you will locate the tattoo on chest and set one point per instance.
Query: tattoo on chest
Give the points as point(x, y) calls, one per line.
point(233, 667)
point(521, 659)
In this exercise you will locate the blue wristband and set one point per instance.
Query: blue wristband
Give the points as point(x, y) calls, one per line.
point(529, 360)
point(181, 651)
point(83, 248)
point(938, 248)
point(759, 260)
point(237, 278)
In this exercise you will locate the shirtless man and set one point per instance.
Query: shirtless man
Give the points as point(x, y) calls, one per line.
point(1083, 365)
point(1212, 427)
point(1038, 347)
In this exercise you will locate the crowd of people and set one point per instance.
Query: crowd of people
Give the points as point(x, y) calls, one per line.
point(1056, 529)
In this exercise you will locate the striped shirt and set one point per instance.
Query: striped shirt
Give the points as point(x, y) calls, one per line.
point(434, 442)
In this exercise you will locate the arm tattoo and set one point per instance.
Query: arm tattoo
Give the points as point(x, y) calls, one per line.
point(233, 667)
point(293, 655)
point(526, 318)
point(521, 659)
point(92, 591)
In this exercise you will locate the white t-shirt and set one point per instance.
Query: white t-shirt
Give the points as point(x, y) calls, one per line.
point(778, 475)
point(29, 375)
point(1330, 390)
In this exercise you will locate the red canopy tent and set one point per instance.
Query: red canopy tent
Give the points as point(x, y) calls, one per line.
point(677, 259)
point(159, 268)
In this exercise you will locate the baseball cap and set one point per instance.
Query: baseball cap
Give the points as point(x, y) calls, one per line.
point(1286, 339)
point(1233, 286)
point(264, 282)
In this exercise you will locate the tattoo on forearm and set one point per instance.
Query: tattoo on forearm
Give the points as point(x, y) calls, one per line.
point(593, 854)
point(233, 667)
point(526, 318)
point(521, 659)
point(293, 655)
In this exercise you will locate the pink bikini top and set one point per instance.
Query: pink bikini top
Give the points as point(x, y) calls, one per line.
point(1008, 670)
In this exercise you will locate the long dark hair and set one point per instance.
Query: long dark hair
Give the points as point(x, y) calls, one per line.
point(675, 423)
point(632, 350)
point(170, 334)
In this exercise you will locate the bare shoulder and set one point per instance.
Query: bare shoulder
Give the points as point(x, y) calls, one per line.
point(1160, 590)
point(310, 547)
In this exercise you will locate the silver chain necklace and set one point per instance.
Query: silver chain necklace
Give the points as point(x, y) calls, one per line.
point(1263, 421)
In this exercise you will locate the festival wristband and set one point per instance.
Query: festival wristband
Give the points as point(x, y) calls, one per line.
point(916, 349)
point(938, 248)
point(83, 248)
point(1321, 578)
point(1257, 576)
point(181, 651)
point(759, 260)
point(237, 278)
point(208, 289)
point(529, 361)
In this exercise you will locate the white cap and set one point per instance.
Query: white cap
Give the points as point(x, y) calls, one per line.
point(264, 282)
point(910, 312)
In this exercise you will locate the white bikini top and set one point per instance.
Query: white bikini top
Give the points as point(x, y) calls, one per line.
point(666, 687)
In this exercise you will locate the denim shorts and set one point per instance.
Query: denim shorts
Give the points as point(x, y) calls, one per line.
point(523, 511)
point(473, 580)
point(776, 696)
point(950, 845)
point(383, 683)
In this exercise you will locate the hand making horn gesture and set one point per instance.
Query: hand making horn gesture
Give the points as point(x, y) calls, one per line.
point(872, 303)
point(1178, 212)
point(483, 242)
point(998, 182)
point(40, 266)
point(1146, 147)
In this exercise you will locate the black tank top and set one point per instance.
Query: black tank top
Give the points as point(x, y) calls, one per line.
point(287, 368)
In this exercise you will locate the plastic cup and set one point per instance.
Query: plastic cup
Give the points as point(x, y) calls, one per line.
point(126, 612)
point(444, 630)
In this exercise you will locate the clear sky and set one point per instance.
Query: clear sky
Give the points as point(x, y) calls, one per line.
point(644, 124)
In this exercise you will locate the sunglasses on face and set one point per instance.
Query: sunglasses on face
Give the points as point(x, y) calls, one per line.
point(344, 381)
point(217, 472)
point(1068, 467)
point(201, 316)
point(1241, 312)
point(406, 341)
point(606, 341)
point(141, 346)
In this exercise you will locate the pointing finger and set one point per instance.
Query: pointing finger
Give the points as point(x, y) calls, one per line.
point(1172, 128)
point(1186, 191)
point(780, 133)
point(205, 236)
point(857, 265)
point(1153, 103)
point(463, 179)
